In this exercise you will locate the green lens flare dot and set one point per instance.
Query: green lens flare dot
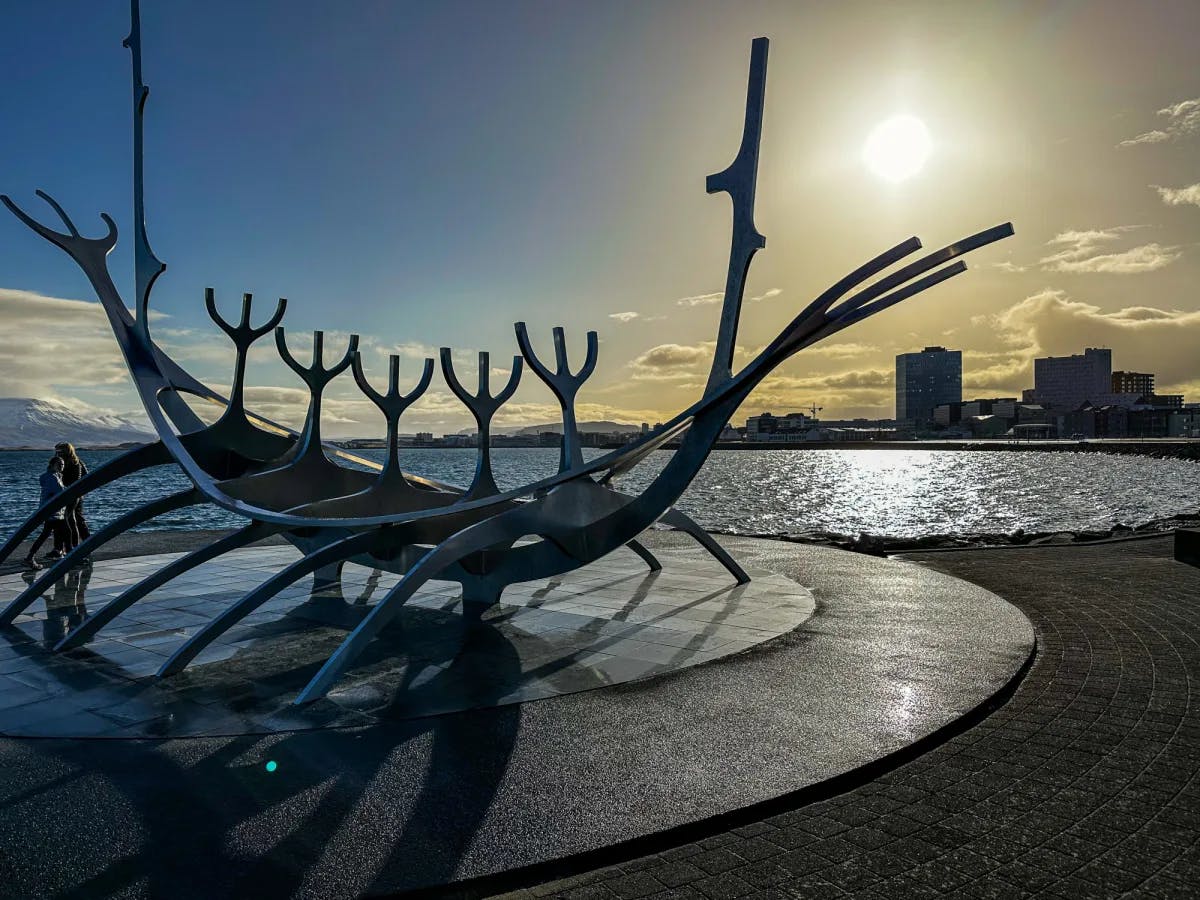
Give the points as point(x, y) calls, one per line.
point(272, 766)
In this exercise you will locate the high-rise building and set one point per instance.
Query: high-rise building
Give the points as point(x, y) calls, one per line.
point(1067, 381)
point(925, 380)
point(1140, 383)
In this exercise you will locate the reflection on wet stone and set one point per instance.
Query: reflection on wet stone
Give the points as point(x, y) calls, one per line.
point(610, 623)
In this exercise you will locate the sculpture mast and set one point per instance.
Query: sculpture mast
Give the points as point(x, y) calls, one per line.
point(147, 266)
point(739, 182)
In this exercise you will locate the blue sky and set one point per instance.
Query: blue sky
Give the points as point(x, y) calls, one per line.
point(428, 174)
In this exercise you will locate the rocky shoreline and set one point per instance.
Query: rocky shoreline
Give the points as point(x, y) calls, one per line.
point(885, 545)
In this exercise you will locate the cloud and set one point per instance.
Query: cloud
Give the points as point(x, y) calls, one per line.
point(1006, 374)
point(841, 351)
point(542, 413)
point(701, 299)
point(51, 346)
point(864, 391)
point(410, 350)
point(1146, 258)
point(717, 296)
point(1182, 120)
point(624, 317)
point(1146, 137)
point(1081, 253)
point(767, 295)
point(1009, 267)
point(671, 362)
point(1143, 339)
point(1179, 196)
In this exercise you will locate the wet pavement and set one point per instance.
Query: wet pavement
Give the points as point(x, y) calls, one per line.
point(1084, 784)
point(894, 655)
point(604, 625)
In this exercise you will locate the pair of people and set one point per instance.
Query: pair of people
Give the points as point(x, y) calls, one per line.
point(66, 525)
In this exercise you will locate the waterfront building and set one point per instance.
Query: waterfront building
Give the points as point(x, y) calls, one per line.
point(1068, 381)
point(1114, 421)
point(1165, 401)
point(729, 433)
point(925, 381)
point(1033, 414)
point(1184, 422)
point(1004, 407)
point(946, 414)
point(766, 427)
point(987, 425)
point(853, 433)
point(1140, 383)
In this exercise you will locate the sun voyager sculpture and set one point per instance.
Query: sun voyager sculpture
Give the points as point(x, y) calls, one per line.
point(294, 485)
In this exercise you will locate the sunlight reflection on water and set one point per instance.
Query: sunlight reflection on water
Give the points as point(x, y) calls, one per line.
point(893, 492)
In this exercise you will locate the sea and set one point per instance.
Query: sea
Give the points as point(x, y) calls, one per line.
point(898, 493)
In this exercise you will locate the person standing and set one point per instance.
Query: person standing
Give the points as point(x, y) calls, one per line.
point(73, 470)
point(56, 525)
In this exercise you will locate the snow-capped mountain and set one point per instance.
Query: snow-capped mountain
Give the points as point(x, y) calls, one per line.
point(44, 423)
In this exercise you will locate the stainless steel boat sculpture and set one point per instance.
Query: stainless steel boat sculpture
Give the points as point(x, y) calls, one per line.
point(289, 484)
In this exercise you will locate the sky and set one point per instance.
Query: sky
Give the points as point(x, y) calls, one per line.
point(428, 174)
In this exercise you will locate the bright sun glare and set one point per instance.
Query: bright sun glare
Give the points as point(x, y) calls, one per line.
point(897, 148)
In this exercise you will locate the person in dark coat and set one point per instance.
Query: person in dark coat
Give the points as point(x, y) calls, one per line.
point(56, 526)
point(73, 470)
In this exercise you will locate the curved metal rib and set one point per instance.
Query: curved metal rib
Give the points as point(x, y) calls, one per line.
point(118, 526)
point(480, 536)
point(922, 265)
point(87, 629)
point(648, 558)
point(685, 523)
point(563, 385)
point(331, 553)
point(433, 562)
point(127, 463)
point(483, 407)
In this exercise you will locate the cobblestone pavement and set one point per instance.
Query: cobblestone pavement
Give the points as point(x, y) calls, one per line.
point(1083, 785)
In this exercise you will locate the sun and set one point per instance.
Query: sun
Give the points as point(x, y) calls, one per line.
point(897, 148)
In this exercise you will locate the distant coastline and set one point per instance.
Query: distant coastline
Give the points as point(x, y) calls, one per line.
point(1159, 448)
point(83, 448)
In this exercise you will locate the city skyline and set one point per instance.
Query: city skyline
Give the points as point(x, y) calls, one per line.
point(555, 165)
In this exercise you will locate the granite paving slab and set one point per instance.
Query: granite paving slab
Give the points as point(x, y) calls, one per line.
point(600, 626)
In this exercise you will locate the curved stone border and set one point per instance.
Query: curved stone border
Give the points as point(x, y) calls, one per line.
point(894, 653)
point(1084, 783)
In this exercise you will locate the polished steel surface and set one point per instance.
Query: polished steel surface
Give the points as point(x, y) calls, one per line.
point(292, 484)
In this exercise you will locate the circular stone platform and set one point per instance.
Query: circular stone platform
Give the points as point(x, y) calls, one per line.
point(611, 622)
point(893, 655)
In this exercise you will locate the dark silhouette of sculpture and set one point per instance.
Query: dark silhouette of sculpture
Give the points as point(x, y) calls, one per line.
point(483, 538)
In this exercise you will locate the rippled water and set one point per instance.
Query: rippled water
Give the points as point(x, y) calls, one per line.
point(891, 492)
